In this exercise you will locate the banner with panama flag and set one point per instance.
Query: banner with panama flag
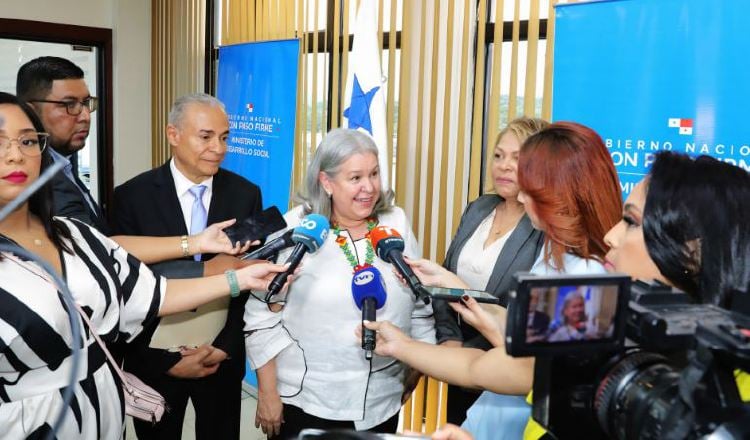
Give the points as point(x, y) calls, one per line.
point(364, 96)
point(257, 82)
point(655, 75)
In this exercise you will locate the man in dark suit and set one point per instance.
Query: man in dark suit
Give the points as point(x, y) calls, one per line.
point(56, 89)
point(537, 325)
point(173, 200)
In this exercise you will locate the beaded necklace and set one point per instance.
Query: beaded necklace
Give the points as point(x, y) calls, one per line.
point(344, 245)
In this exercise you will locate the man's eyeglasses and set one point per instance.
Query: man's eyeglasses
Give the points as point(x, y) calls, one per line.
point(30, 144)
point(74, 108)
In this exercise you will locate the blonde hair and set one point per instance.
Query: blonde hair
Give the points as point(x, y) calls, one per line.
point(522, 128)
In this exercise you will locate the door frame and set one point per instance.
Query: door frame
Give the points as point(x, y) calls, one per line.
point(101, 38)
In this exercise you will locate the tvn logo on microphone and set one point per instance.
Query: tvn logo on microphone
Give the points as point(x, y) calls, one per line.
point(363, 277)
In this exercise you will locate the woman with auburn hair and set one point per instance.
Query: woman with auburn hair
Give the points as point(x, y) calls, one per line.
point(571, 192)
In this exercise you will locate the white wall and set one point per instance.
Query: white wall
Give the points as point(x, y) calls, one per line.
point(130, 21)
point(132, 76)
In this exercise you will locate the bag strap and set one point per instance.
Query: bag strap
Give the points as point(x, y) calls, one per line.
point(101, 344)
point(84, 316)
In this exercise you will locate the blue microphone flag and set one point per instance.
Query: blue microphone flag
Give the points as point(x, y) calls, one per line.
point(368, 283)
point(312, 232)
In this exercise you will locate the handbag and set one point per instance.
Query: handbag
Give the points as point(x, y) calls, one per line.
point(141, 401)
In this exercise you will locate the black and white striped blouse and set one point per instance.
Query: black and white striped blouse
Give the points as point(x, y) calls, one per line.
point(118, 292)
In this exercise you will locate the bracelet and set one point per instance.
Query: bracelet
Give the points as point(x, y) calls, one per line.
point(184, 246)
point(234, 286)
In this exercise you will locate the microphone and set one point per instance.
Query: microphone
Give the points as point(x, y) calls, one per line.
point(389, 246)
point(368, 290)
point(309, 236)
point(269, 249)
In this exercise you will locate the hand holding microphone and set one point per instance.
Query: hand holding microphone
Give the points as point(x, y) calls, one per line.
point(309, 236)
point(368, 290)
point(391, 340)
point(272, 247)
point(259, 276)
point(389, 246)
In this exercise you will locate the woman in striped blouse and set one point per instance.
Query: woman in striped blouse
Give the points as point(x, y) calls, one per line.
point(118, 293)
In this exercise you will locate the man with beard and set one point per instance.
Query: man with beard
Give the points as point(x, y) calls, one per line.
point(56, 89)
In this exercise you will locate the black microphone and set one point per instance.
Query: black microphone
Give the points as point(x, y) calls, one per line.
point(309, 236)
point(390, 247)
point(271, 248)
point(368, 290)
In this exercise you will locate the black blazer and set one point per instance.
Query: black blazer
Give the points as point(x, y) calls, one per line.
point(518, 255)
point(148, 205)
point(68, 201)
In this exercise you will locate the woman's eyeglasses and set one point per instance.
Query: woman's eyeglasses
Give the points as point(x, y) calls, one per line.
point(30, 144)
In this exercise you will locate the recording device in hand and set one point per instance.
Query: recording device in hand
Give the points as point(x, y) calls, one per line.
point(621, 360)
point(368, 290)
point(309, 236)
point(257, 227)
point(271, 248)
point(390, 247)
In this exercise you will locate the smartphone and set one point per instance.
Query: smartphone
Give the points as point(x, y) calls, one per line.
point(450, 294)
point(257, 227)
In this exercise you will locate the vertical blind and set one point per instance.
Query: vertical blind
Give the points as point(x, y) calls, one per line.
point(177, 62)
point(433, 55)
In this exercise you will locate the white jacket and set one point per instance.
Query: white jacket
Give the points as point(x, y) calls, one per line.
point(321, 367)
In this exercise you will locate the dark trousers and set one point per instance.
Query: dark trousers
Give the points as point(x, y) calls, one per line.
point(216, 400)
point(459, 401)
point(295, 420)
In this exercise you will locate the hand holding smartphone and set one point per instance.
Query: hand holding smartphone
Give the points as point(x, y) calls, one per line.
point(451, 294)
point(257, 227)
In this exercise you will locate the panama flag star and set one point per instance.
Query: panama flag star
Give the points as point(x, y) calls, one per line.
point(364, 95)
point(358, 112)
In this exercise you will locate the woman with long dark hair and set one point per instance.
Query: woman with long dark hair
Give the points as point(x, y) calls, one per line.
point(686, 224)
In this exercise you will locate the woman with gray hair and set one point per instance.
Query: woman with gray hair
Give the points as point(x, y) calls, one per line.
point(312, 372)
point(573, 318)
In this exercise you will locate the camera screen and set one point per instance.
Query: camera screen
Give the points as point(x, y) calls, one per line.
point(576, 313)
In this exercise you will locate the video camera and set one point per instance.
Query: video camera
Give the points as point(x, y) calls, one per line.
point(616, 359)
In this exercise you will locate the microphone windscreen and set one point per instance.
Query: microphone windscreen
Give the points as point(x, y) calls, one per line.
point(384, 240)
point(368, 283)
point(312, 232)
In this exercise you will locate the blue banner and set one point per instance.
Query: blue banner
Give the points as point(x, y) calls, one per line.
point(258, 85)
point(656, 75)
